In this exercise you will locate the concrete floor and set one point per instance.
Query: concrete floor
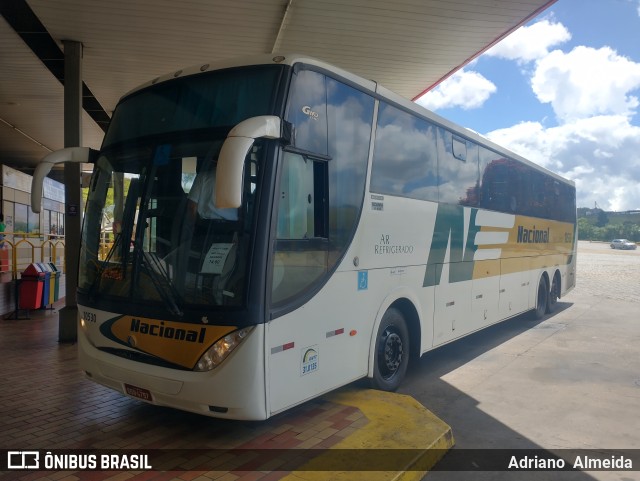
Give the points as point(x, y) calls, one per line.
point(570, 381)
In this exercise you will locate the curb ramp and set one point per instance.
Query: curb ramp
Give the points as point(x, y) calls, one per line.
point(396, 423)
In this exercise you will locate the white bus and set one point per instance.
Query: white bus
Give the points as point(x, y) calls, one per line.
point(349, 230)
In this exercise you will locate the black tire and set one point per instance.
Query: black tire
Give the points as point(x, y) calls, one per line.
point(392, 352)
point(554, 295)
point(542, 299)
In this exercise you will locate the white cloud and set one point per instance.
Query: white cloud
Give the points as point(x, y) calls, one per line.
point(530, 43)
point(595, 94)
point(464, 89)
point(601, 154)
point(587, 82)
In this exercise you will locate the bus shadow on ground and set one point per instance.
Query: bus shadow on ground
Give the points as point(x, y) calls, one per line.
point(449, 357)
point(484, 444)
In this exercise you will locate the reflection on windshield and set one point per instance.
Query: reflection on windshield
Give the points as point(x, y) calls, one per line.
point(152, 232)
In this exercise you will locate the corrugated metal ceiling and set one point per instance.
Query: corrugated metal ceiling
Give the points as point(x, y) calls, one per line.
point(407, 45)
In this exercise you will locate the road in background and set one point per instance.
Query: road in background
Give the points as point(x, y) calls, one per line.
point(570, 381)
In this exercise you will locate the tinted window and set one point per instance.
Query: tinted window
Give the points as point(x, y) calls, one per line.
point(320, 200)
point(507, 185)
point(457, 169)
point(405, 156)
point(217, 99)
point(350, 114)
point(498, 182)
point(307, 111)
point(566, 202)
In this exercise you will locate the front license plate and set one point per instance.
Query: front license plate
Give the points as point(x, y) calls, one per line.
point(138, 392)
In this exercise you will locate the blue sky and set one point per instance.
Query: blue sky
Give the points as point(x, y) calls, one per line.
point(562, 91)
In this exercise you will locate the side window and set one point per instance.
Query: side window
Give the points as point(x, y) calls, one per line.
point(307, 111)
point(405, 155)
point(496, 190)
point(540, 199)
point(301, 208)
point(567, 201)
point(301, 247)
point(322, 181)
point(459, 147)
point(510, 186)
point(457, 169)
point(350, 117)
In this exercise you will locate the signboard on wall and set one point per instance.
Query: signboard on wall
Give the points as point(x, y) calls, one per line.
point(15, 179)
point(53, 190)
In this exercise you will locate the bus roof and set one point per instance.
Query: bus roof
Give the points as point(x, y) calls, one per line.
point(371, 86)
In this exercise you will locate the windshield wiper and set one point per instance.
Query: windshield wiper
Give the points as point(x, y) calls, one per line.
point(160, 279)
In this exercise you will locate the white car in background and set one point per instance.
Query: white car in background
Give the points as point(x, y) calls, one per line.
point(622, 244)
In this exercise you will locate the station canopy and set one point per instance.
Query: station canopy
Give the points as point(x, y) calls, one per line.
point(409, 46)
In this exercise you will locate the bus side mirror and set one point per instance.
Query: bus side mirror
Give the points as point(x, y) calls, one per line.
point(233, 152)
point(70, 154)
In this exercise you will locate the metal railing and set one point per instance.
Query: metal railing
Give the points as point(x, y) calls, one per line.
point(18, 250)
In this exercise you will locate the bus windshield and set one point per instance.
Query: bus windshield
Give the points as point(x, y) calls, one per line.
point(152, 233)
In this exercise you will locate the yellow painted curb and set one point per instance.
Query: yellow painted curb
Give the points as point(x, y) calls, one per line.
point(396, 421)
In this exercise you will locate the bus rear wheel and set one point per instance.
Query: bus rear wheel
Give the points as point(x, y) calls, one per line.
point(542, 299)
point(391, 352)
point(554, 294)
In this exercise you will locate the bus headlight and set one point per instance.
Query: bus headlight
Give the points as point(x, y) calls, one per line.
point(221, 349)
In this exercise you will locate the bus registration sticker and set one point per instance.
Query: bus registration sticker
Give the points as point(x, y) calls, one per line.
point(309, 360)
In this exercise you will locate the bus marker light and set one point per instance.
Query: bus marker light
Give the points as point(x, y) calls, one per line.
point(353, 332)
point(284, 347)
point(335, 333)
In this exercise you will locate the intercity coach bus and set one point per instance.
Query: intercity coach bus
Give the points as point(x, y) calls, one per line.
point(281, 227)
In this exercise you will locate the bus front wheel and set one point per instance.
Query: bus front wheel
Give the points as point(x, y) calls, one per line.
point(391, 351)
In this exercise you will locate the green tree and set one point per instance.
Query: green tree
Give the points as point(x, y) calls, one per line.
point(585, 230)
point(603, 218)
